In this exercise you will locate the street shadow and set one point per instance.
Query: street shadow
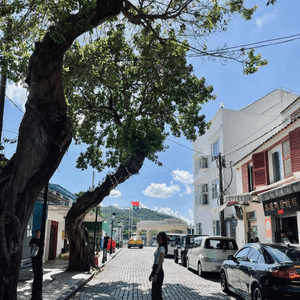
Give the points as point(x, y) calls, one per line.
point(120, 290)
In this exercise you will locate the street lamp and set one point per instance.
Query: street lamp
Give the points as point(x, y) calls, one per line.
point(112, 227)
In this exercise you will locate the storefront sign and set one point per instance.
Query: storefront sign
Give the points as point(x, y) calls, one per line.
point(282, 205)
point(268, 227)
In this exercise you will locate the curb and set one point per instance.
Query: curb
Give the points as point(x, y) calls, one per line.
point(72, 291)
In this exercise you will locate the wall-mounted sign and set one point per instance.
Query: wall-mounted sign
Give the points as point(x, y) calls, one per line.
point(282, 205)
point(268, 227)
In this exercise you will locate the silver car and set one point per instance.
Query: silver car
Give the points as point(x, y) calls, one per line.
point(208, 253)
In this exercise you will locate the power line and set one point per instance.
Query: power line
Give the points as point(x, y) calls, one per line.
point(284, 121)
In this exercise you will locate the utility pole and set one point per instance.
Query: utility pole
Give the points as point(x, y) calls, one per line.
point(222, 220)
point(2, 100)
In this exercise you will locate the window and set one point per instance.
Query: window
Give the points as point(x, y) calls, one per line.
point(204, 199)
point(276, 164)
point(201, 163)
point(215, 188)
point(242, 255)
point(199, 228)
point(253, 255)
point(216, 227)
point(250, 177)
point(215, 150)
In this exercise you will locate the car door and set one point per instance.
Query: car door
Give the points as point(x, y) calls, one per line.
point(191, 255)
point(196, 252)
point(247, 269)
point(233, 276)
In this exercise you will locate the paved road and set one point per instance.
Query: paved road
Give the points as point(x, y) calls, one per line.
point(126, 277)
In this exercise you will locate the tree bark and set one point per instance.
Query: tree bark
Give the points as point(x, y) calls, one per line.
point(81, 256)
point(44, 137)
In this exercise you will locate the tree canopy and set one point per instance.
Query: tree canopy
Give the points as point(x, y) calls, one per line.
point(128, 94)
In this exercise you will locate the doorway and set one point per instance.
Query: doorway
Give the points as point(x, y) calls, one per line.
point(289, 226)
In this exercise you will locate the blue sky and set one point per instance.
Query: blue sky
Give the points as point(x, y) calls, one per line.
point(168, 189)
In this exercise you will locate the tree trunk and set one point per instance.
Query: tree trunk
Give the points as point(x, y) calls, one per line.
point(81, 256)
point(44, 137)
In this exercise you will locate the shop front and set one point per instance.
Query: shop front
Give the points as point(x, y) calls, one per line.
point(283, 211)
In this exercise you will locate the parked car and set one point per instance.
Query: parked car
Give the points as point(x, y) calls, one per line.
point(186, 240)
point(208, 253)
point(135, 241)
point(173, 239)
point(263, 271)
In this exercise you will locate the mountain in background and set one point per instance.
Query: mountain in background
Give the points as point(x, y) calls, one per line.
point(122, 215)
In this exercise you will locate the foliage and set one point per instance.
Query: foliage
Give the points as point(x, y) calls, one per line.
point(25, 22)
point(132, 92)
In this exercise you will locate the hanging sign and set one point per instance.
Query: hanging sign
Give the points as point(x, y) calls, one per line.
point(281, 206)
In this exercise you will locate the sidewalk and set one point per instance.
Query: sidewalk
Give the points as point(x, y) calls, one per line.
point(57, 283)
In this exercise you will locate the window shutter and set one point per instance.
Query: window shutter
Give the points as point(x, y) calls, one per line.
point(260, 168)
point(245, 179)
point(295, 149)
point(287, 166)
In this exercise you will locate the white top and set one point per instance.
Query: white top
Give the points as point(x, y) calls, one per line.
point(157, 253)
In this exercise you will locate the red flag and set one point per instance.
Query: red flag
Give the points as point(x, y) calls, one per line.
point(135, 203)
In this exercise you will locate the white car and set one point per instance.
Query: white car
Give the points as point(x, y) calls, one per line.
point(208, 253)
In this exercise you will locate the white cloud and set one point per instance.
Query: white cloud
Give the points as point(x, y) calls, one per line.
point(116, 205)
point(176, 214)
point(17, 94)
point(143, 206)
point(115, 194)
point(260, 22)
point(158, 190)
point(182, 176)
point(188, 190)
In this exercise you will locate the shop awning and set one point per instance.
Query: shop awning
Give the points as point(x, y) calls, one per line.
point(281, 191)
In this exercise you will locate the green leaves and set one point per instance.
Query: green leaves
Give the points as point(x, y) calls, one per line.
point(253, 62)
point(123, 95)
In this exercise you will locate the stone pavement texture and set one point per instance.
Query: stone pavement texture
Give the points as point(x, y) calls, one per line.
point(126, 278)
point(57, 283)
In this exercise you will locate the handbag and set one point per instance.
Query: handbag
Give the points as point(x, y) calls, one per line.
point(34, 251)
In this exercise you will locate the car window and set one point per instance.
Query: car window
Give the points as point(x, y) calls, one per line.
point(242, 255)
point(253, 255)
point(221, 244)
point(261, 259)
point(285, 254)
point(199, 243)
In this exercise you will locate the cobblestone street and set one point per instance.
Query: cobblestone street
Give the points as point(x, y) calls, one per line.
point(126, 277)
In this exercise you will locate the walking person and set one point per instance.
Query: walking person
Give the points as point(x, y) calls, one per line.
point(157, 274)
point(35, 244)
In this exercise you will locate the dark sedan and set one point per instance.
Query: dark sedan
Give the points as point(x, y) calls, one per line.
point(263, 271)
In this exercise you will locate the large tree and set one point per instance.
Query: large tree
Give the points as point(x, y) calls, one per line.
point(47, 29)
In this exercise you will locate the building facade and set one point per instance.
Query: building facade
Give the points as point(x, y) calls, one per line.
point(268, 184)
point(229, 134)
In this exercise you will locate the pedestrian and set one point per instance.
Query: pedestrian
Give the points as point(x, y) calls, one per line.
point(35, 244)
point(256, 239)
point(105, 241)
point(157, 274)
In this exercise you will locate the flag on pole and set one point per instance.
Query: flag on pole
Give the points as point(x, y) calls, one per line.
point(135, 204)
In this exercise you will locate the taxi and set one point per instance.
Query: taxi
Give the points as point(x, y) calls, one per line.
point(135, 241)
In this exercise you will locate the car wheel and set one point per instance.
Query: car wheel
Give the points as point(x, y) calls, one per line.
point(223, 281)
point(200, 272)
point(257, 293)
point(141, 247)
point(187, 263)
point(128, 246)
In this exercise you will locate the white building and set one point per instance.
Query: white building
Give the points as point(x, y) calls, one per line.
point(230, 134)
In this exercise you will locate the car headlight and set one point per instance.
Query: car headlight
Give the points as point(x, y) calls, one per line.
point(206, 259)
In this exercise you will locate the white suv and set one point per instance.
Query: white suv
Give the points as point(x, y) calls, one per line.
point(208, 253)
